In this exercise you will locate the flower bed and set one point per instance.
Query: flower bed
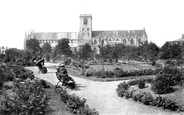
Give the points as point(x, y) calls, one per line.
point(26, 98)
point(146, 97)
point(119, 73)
point(74, 103)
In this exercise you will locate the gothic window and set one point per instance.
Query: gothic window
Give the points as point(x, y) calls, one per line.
point(85, 21)
point(124, 41)
point(139, 41)
point(132, 41)
point(95, 50)
point(82, 29)
point(87, 29)
point(88, 34)
point(95, 42)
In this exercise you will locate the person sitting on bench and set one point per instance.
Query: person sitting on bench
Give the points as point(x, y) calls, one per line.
point(62, 72)
point(40, 63)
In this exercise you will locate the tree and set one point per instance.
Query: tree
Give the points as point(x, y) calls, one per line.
point(152, 52)
point(164, 52)
point(63, 47)
point(85, 52)
point(46, 48)
point(33, 45)
point(176, 52)
point(13, 54)
point(170, 51)
point(53, 55)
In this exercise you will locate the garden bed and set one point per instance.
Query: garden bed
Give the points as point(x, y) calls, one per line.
point(164, 91)
point(76, 73)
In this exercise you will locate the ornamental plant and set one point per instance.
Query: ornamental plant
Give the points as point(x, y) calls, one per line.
point(141, 84)
point(75, 104)
point(27, 98)
point(162, 84)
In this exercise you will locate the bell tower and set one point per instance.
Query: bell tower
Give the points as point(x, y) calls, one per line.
point(85, 29)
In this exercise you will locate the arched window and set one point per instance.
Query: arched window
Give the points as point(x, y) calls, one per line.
point(132, 41)
point(95, 42)
point(102, 42)
point(124, 41)
point(139, 41)
point(85, 21)
point(95, 50)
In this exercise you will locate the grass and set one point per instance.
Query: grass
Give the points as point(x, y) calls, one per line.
point(123, 66)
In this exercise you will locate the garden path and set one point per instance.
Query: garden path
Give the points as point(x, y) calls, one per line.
point(102, 96)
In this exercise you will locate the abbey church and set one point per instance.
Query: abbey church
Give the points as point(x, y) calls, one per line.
point(87, 35)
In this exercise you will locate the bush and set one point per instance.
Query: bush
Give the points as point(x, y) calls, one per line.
point(75, 104)
point(147, 98)
point(28, 99)
point(122, 87)
point(6, 73)
point(47, 57)
point(44, 84)
point(22, 74)
point(175, 74)
point(136, 81)
point(141, 84)
point(1, 85)
point(162, 84)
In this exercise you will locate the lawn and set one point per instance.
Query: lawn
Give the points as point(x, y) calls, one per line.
point(123, 66)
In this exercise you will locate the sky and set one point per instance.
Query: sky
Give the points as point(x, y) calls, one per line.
point(163, 20)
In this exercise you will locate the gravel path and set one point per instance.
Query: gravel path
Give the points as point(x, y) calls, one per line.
point(103, 97)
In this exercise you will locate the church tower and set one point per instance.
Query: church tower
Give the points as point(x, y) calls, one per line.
point(85, 29)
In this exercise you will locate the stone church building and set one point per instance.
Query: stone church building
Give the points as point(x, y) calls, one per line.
point(87, 35)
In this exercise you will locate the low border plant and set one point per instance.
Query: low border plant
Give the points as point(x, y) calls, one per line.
point(75, 104)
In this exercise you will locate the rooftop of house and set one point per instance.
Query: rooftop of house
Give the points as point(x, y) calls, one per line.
point(179, 39)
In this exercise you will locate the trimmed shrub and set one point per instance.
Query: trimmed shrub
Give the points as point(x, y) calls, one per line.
point(147, 98)
point(136, 81)
point(117, 72)
point(122, 87)
point(162, 84)
point(175, 74)
point(141, 84)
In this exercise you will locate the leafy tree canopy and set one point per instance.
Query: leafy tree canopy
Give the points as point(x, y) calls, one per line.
point(46, 48)
point(86, 51)
point(63, 47)
point(33, 45)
